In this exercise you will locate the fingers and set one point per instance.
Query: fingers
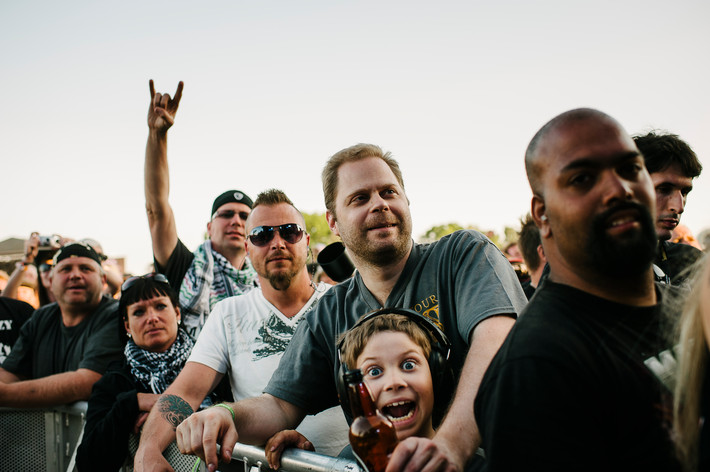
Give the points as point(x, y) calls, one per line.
point(419, 454)
point(229, 439)
point(139, 422)
point(178, 93)
point(152, 89)
point(200, 433)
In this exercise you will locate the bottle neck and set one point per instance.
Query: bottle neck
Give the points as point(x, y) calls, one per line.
point(361, 402)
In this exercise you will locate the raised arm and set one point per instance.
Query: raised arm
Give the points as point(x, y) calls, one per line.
point(161, 116)
point(458, 437)
point(255, 421)
point(183, 396)
point(15, 280)
point(56, 389)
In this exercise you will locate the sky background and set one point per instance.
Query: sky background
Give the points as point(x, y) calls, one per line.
point(455, 90)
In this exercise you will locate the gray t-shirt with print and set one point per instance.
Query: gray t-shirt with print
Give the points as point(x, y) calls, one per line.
point(456, 282)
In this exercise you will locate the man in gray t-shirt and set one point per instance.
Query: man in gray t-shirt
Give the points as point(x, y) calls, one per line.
point(65, 347)
point(462, 282)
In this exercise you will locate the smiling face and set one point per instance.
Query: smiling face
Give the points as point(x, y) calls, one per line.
point(227, 229)
point(77, 282)
point(373, 217)
point(278, 261)
point(397, 374)
point(153, 323)
point(595, 204)
point(672, 189)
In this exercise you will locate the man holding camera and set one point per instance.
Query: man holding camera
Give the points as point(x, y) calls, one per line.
point(65, 346)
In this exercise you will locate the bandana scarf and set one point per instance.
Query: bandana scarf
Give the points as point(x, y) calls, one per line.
point(212, 278)
point(155, 371)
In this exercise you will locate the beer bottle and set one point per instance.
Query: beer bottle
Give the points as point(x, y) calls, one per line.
point(372, 434)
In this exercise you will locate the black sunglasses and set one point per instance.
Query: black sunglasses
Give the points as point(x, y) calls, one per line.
point(262, 235)
point(131, 281)
point(229, 214)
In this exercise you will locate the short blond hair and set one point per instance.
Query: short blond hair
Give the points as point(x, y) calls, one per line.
point(692, 355)
point(353, 342)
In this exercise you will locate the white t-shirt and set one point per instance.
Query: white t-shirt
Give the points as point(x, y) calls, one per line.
point(246, 336)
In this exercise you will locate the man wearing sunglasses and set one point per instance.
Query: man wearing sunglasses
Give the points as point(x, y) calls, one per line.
point(64, 347)
point(219, 268)
point(463, 283)
point(245, 336)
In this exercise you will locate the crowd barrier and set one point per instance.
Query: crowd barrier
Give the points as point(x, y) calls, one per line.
point(46, 440)
point(40, 439)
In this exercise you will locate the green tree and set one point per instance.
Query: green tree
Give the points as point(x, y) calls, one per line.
point(317, 227)
point(437, 232)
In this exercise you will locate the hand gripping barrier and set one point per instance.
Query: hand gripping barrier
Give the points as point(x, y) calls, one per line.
point(252, 459)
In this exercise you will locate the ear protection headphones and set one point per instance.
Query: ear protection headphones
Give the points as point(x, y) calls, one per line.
point(441, 374)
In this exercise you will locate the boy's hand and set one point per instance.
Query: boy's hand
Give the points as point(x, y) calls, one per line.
point(282, 440)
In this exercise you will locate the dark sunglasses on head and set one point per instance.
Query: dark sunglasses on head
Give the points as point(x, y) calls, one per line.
point(262, 235)
point(229, 214)
point(152, 276)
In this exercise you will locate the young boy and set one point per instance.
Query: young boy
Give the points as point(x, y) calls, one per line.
point(393, 351)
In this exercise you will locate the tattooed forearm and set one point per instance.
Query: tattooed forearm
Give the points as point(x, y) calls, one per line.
point(174, 409)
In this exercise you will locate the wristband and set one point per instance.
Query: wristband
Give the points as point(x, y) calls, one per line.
point(224, 405)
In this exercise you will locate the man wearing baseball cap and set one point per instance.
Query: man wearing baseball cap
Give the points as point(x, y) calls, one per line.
point(65, 346)
point(219, 268)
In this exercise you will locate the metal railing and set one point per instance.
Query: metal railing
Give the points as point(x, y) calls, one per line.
point(46, 440)
point(40, 439)
point(253, 459)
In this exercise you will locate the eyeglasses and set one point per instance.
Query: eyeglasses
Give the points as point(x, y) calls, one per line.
point(262, 235)
point(229, 214)
point(131, 281)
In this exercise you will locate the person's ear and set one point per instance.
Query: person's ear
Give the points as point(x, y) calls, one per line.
point(177, 314)
point(538, 212)
point(541, 254)
point(332, 222)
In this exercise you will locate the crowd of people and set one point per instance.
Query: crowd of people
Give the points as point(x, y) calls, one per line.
point(597, 360)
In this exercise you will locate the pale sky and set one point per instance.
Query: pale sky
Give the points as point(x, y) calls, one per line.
point(455, 90)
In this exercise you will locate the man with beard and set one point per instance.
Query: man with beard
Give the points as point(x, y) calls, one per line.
point(576, 385)
point(462, 282)
point(673, 166)
point(246, 335)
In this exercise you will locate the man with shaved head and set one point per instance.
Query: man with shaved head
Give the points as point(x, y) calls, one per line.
point(576, 385)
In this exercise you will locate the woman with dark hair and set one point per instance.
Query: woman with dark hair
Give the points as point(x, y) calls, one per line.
point(156, 350)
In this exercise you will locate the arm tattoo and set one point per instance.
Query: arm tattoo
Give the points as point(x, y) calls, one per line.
point(174, 409)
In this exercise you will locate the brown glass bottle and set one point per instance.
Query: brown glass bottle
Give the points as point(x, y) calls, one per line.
point(372, 434)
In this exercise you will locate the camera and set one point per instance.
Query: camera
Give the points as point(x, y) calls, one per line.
point(49, 242)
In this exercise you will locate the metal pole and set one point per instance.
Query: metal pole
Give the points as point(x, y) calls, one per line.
point(294, 460)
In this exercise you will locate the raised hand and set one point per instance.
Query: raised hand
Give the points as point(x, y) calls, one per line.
point(162, 109)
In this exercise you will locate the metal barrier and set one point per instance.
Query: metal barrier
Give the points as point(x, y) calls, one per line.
point(40, 439)
point(251, 458)
point(46, 440)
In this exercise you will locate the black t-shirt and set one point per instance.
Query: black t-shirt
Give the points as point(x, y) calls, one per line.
point(675, 259)
point(13, 314)
point(576, 386)
point(177, 265)
point(47, 347)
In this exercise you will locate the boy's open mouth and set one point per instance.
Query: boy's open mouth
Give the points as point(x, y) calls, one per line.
point(399, 411)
